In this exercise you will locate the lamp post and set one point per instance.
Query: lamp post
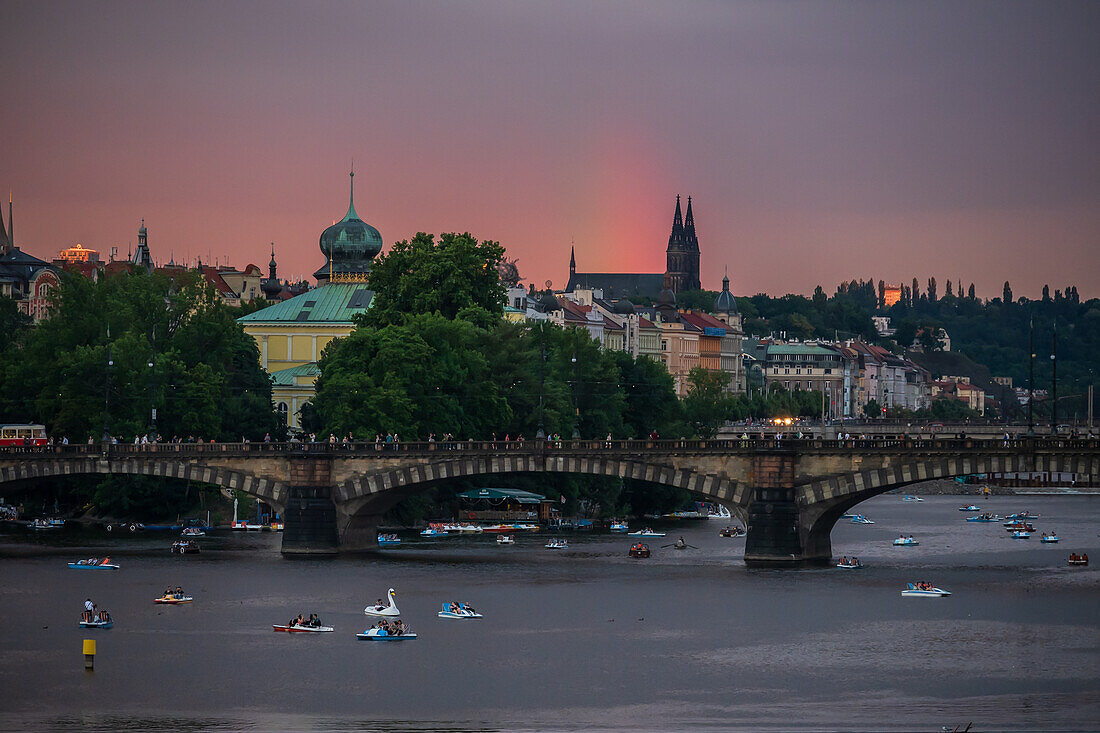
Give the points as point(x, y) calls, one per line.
point(541, 432)
point(1031, 379)
point(576, 405)
point(1054, 381)
point(153, 389)
point(107, 394)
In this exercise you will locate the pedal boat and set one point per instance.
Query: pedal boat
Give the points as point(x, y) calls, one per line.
point(914, 592)
point(556, 544)
point(639, 550)
point(302, 629)
point(646, 533)
point(849, 565)
point(970, 508)
point(618, 527)
point(172, 600)
point(905, 542)
point(464, 611)
point(1021, 534)
point(383, 635)
point(97, 624)
point(1049, 538)
point(390, 610)
point(388, 540)
point(103, 564)
point(860, 519)
point(506, 539)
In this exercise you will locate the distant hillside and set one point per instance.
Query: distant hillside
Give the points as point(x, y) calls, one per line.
point(952, 363)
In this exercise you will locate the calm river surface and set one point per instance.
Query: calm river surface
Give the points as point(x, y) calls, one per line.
point(584, 638)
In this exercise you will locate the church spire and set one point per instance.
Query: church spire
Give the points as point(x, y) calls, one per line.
point(351, 199)
point(677, 220)
point(11, 224)
point(5, 243)
point(689, 220)
point(572, 261)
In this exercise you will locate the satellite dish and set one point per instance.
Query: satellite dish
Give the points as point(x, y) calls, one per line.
point(549, 284)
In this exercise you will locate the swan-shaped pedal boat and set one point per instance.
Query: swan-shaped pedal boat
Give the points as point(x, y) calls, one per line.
point(94, 564)
point(383, 635)
point(295, 629)
point(458, 609)
point(924, 590)
point(906, 542)
point(379, 610)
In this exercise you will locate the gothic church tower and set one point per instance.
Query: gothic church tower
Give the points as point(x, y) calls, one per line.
point(682, 255)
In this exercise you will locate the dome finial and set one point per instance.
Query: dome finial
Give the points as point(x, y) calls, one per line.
point(351, 199)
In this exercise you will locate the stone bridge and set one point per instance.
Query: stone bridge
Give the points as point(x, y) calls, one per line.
point(789, 492)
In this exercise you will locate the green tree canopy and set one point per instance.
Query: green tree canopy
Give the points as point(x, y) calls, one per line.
point(456, 277)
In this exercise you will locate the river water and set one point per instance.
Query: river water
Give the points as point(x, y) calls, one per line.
point(582, 638)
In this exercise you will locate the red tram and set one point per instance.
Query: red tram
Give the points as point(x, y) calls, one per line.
point(22, 435)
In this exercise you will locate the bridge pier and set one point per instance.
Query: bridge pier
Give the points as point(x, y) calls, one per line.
point(310, 516)
point(780, 535)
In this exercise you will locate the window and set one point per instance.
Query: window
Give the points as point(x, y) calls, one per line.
point(283, 413)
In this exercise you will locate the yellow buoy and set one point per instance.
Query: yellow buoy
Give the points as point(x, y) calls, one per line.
point(89, 653)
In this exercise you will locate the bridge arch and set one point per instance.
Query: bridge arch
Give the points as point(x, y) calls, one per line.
point(267, 490)
point(386, 486)
point(822, 502)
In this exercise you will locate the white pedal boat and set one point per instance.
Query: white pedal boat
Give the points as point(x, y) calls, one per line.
point(383, 635)
point(619, 527)
point(1048, 538)
point(1020, 535)
point(929, 591)
point(905, 542)
point(910, 497)
point(433, 532)
point(646, 533)
point(850, 565)
point(302, 629)
point(556, 544)
point(93, 564)
point(109, 623)
point(380, 610)
point(860, 519)
point(506, 539)
point(457, 610)
point(970, 508)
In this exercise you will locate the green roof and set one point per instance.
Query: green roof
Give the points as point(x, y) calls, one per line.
point(287, 377)
point(336, 303)
point(523, 497)
point(799, 349)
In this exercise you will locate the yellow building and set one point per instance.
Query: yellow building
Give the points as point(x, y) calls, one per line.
point(293, 334)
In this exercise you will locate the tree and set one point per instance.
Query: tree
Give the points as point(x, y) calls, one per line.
point(707, 404)
point(905, 333)
point(457, 277)
point(1006, 294)
point(929, 338)
point(931, 290)
point(916, 290)
point(872, 408)
point(881, 294)
point(970, 292)
point(819, 298)
point(947, 291)
point(1046, 293)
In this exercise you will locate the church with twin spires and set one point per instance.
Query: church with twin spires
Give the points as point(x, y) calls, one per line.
point(681, 267)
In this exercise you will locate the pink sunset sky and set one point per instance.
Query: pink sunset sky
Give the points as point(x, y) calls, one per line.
point(821, 141)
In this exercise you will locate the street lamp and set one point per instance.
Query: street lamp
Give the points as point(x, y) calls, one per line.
point(152, 405)
point(576, 405)
point(541, 432)
point(1054, 381)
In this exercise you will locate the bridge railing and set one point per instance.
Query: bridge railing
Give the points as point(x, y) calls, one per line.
point(560, 447)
